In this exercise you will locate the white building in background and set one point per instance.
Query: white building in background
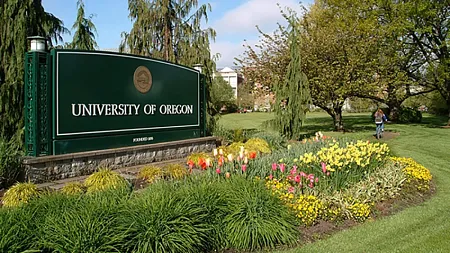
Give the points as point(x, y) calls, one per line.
point(232, 76)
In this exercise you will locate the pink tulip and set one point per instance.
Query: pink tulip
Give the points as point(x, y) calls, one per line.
point(311, 176)
point(282, 167)
point(244, 167)
point(289, 178)
point(274, 166)
point(310, 185)
point(324, 167)
point(294, 170)
point(302, 174)
point(298, 179)
point(218, 170)
point(270, 177)
point(328, 173)
point(317, 179)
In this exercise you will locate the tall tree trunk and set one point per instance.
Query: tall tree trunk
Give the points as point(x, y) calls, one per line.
point(337, 119)
point(394, 107)
point(167, 36)
point(336, 115)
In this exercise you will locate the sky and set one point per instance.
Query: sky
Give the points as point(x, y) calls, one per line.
point(234, 21)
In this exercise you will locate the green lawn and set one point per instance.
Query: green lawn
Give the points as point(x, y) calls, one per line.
point(424, 228)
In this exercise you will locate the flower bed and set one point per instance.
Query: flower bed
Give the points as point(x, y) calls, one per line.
point(248, 197)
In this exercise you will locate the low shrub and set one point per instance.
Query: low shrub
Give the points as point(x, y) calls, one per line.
point(257, 145)
point(105, 179)
point(150, 174)
point(409, 115)
point(275, 140)
point(238, 135)
point(10, 164)
point(19, 194)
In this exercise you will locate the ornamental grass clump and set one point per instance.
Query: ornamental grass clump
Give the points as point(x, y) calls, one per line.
point(105, 179)
point(150, 174)
point(257, 219)
point(74, 188)
point(175, 171)
point(163, 220)
point(19, 194)
point(81, 224)
point(16, 229)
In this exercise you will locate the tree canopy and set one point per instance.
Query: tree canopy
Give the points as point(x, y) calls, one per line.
point(20, 19)
point(85, 31)
point(221, 93)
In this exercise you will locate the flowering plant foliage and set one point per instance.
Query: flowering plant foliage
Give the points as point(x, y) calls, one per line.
point(416, 173)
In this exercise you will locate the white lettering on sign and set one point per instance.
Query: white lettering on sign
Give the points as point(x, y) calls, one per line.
point(149, 109)
point(104, 109)
point(176, 109)
point(89, 110)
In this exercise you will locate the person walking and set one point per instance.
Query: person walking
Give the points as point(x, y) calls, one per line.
point(379, 122)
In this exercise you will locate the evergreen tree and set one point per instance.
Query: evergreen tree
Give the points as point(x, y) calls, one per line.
point(85, 31)
point(171, 30)
point(20, 19)
point(292, 93)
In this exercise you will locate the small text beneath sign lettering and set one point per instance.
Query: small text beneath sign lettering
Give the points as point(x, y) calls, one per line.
point(142, 139)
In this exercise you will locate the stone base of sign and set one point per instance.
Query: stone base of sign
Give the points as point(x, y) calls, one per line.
point(50, 168)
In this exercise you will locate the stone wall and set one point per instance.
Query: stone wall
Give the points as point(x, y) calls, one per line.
point(50, 168)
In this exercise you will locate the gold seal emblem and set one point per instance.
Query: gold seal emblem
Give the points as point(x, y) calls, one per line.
point(142, 79)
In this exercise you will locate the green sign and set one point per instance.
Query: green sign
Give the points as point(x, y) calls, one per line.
point(102, 100)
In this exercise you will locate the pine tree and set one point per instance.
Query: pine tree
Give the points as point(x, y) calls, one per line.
point(19, 19)
point(292, 93)
point(171, 30)
point(85, 31)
